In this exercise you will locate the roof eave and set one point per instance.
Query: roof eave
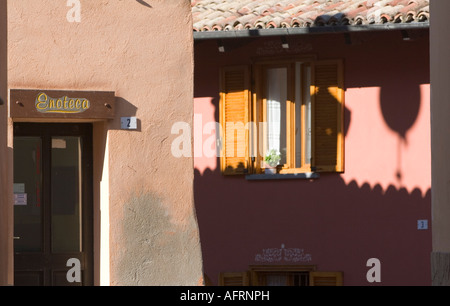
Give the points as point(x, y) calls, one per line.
point(252, 33)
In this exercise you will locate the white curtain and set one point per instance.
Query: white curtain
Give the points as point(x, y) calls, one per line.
point(276, 111)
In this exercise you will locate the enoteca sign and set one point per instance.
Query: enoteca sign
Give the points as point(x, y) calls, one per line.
point(63, 105)
point(37, 103)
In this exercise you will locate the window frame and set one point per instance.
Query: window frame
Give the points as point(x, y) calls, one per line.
point(256, 274)
point(326, 92)
point(259, 111)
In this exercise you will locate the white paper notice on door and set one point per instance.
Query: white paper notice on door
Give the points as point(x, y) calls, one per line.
point(58, 143)
point(20, 199)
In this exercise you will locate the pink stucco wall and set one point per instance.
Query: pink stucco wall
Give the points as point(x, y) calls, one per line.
point(338, 221)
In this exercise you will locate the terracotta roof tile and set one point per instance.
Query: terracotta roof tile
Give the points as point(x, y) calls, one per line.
point(227, 15)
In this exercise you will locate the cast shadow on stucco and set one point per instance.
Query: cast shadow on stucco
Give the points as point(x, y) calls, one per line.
point(400, 119)
point(144, 3)
point(126, 109)
point(237, 218)
point(399, 82)
point(154, 250)
point(398, 78)
point(399, 86)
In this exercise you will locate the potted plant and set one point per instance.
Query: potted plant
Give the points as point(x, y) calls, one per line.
point(271, 161)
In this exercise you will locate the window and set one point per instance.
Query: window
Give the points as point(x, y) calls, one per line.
point(281, 276)
point(294, 107)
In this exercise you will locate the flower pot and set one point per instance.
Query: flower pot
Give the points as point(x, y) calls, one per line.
point(271, 170)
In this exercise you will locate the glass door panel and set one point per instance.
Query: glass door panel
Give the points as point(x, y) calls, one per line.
point(66, 194)
point(28, 225)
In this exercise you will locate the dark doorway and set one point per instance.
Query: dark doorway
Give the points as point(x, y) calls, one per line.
point(52, 203)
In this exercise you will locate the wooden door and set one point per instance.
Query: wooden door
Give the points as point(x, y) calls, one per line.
point(52, 203)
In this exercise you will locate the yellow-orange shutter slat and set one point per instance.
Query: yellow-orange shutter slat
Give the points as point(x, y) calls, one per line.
point(325, 278)
point(234, 117)
point(234, 279)
point(327, 94)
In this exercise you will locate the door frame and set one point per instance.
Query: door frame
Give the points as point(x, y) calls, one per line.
point(85, 131)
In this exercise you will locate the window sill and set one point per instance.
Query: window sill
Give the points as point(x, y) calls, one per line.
point(278, 176)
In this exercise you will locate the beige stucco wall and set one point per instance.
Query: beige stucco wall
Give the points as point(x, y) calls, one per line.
point(143, 195)
point(440, 140)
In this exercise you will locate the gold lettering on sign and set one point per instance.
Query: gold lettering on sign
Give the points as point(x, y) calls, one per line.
point(46, 104)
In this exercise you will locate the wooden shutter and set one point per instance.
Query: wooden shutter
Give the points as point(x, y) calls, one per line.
point(325, 278)
point(234, 279)
point(234, 117)
point(327, 93)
